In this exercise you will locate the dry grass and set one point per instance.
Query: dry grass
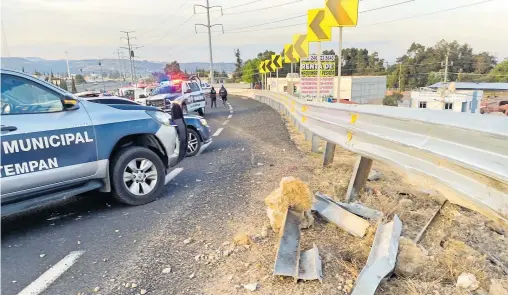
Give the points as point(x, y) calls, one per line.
point(457, 241)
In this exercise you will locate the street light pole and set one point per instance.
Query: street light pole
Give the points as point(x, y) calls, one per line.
point(68, 69)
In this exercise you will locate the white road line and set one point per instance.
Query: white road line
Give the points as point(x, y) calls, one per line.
point(47, 278)
point(172, 175)
point(218, 132)
point(225, 122)
point(229, 117)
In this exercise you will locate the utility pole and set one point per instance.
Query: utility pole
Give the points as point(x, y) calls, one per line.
point(446, 66)
point(67, 60)
point(102, 76)
point(209, 26)
point(400, 75)
point(131, 53)
point(121, 66)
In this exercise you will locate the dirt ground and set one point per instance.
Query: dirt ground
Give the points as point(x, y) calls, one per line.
point(458, 241)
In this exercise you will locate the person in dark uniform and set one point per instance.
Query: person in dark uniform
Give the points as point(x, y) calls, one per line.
point(213, 97)
point(223, 94)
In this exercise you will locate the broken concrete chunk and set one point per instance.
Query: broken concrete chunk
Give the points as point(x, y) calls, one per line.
point(251, 287)
point(411, 260)
point(499, 287)
point(291, 193)
point(382, 258)
point(341, 217)
point(374, 175)
point(467, 282)
point(288, 252)
point(310, 265)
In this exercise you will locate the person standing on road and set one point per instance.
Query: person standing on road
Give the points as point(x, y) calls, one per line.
point(213, 97)
point(223, 94)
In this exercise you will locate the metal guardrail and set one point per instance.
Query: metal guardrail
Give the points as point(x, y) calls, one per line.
point(463, 156)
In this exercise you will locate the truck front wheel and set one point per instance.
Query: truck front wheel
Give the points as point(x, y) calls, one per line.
point(137, 175)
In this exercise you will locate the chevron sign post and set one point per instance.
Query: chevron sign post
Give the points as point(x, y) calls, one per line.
point(277, 64)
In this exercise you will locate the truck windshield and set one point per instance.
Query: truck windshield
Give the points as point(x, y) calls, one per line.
point(166, 90)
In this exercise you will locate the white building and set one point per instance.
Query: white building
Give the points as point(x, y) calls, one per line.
point(462, 101)
point(359, 89)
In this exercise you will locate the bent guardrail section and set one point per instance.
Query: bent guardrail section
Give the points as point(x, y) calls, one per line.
point(464, 156)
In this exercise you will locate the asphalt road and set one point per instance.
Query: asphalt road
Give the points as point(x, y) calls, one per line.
point(133, 244)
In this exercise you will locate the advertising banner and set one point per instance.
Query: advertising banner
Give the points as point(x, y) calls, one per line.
point(309, 74)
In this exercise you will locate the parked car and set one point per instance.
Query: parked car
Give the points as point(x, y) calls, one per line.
point(199, 135)
point(55, 145)
point(187, 93)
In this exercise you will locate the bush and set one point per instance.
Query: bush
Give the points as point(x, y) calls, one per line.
point(393, 100)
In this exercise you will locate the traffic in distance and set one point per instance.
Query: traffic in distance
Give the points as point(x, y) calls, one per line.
point(56, 145)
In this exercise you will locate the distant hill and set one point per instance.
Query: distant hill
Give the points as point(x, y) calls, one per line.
point(32, 64)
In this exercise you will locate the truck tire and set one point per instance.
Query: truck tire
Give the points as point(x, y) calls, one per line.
point(201, 112)
point(137, 175)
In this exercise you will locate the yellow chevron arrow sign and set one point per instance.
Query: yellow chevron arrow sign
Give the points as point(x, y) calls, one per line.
point(316, 31)
point(341, 13)
point(289, 56)
point(300, 46)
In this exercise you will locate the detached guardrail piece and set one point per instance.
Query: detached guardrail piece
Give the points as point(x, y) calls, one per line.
point(311, 266)
point(288, 253)
point(358, 209)
point(382, 258)
point(344, 219)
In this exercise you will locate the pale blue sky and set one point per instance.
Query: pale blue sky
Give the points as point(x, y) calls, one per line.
point(90, 28)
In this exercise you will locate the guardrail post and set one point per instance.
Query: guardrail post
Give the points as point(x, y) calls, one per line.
point(308, 134)
point(315, 143)
point(359, 177)
point(329, 153)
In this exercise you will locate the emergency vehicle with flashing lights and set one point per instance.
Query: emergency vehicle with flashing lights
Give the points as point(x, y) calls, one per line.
point(185, 92)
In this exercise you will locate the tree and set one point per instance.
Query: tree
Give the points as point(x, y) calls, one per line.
point(250, 71)
point(80, 79)
point(393, 100)
point(172, 68)
point(499, 73)
point(238, 66)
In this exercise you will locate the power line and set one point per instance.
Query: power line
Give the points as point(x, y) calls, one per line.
point(430, 13)
point(272, 22)
point(264, 8)
point(304, 15)
point(165, 18)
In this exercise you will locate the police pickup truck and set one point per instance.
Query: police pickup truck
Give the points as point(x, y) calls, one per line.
point(187, 93)
point(55, 145)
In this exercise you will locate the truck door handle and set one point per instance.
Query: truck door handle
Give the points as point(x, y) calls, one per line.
point(9, 128)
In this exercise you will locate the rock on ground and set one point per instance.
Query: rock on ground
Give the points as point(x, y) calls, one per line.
point(411, 260)
point(291, 193)
point(251, 287)
point(374, 175)
point(499, 287)
point(242, 239)
point(467, 282)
